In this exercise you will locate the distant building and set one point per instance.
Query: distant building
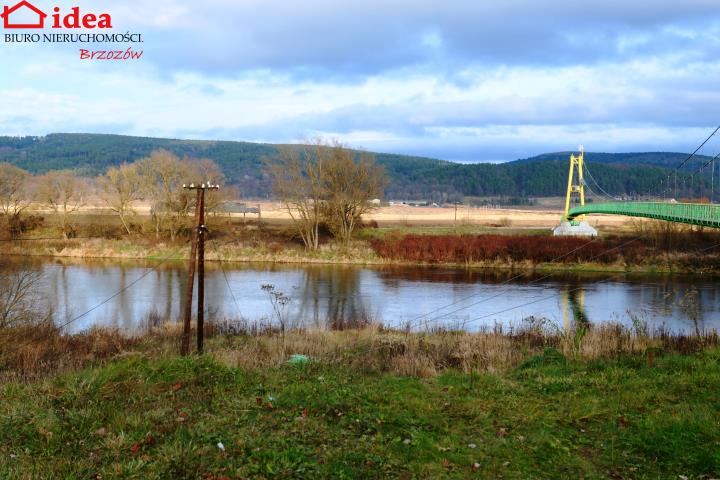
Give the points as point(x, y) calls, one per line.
point(410, 203)
point(238, 207)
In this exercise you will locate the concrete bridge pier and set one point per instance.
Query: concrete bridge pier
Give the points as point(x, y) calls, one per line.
point(574, 229)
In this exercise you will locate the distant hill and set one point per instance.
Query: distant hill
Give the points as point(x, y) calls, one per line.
point(410, 177)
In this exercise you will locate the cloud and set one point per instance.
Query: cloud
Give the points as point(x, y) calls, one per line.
point(320, 38)
point(460, 80)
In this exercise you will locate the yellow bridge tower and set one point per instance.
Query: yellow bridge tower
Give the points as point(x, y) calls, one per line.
point(575, 185)
point(576, 164)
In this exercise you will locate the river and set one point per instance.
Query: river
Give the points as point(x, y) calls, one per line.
point(325, 296)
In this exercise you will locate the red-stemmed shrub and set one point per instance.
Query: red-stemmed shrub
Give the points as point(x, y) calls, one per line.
point(475, 248)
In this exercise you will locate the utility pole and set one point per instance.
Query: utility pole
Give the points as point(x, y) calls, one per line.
point(455, 221)
point(197, 255)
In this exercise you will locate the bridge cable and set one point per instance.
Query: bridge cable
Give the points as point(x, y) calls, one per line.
point(689, 157)
point(712, 160)
point(587, 170)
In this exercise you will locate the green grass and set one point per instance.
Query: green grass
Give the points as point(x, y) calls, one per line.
point(548, 418)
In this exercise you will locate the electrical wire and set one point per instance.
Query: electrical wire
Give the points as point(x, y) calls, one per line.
point(456, 302)
point(369, 350)
point(27, 239)
point(544, 277)
point(95, 307)
point(227, 281)
point(552, 296)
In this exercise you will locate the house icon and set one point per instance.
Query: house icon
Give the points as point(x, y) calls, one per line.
point(26, 6)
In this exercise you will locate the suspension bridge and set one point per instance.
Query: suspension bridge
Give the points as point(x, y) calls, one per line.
point(692, 213)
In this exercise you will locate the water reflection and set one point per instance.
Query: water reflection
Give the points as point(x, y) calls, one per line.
point(340, 297)
point(573, 298)
point(333, 298)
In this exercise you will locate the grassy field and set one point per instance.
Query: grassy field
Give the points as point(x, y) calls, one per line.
point(640, 409)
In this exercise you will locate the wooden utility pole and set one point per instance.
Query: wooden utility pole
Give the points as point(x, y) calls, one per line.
point(197, 255)
point(201, 274)
point(455, 221)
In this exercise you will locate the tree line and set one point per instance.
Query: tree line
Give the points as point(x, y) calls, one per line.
point(322, 185)
point(157, 179)
point(409, 177)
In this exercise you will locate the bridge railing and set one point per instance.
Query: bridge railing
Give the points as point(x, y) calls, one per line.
point(691, 213)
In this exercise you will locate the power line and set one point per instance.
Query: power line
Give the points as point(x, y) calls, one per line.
point(551, 296)
point(544, 277)
point(95, 307)
point(456, 302)
point(227, 281)
point(46, 239)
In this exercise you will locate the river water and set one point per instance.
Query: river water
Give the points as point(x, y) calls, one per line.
point(345, 296)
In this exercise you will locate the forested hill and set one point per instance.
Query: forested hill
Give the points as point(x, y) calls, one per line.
point(410, 177)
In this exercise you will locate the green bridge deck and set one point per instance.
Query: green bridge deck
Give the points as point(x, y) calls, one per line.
point(704, 214)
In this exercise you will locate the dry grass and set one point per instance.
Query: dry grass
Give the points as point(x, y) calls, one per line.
point(29, 352)
point(427, 354)
point(370, 349)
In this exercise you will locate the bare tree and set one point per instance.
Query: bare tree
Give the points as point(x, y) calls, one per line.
point(208, 171)
point(297, 174)
point(14, 197)
point(163, 175)
point(20, 302)
point(64, 194)
point(120, 187)
point(351, 181)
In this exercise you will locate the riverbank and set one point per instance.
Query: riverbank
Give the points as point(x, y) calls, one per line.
point(373, 404)
point(646, 247)
point(360, 252)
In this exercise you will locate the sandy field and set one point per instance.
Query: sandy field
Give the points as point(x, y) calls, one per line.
point(443, 216)
point(404, 215)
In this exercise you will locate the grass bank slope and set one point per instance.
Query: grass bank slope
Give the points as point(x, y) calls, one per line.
point(631, 416)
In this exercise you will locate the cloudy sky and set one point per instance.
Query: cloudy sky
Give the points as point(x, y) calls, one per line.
point(482, 80)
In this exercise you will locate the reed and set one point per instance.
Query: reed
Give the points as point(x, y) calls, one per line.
point(369, 349)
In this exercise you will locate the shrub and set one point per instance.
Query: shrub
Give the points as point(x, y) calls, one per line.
point(473, 248)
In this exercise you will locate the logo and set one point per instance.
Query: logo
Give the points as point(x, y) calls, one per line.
point(116, 46)
point(73, 19)
point(24, 5)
